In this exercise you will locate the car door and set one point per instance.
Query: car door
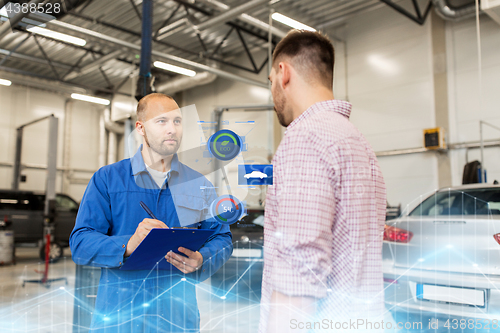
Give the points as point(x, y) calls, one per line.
point(66, 210)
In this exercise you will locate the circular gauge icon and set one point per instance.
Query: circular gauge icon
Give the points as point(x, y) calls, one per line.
point(224, 145)
point(227, 209)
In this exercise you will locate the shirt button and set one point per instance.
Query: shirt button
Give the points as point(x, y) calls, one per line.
point(120, 263)
point(203, 270)
point(123, 246)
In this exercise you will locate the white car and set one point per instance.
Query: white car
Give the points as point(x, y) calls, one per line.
point(255, 174)
point(442, 259)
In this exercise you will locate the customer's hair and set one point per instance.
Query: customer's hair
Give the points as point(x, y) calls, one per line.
point(143, 103)
point(310, 53)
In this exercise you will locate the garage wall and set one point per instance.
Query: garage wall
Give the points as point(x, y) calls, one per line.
point(389, 83)
point(389, 69)
point(20, 105)
point(468, 104)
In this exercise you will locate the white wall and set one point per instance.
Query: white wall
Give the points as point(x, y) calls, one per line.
point(20, 105)
point(390, 86)
point(389, 82)
point(389, 66)
point(468, 104)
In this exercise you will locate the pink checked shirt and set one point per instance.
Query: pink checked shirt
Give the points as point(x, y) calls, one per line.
point(325, 216)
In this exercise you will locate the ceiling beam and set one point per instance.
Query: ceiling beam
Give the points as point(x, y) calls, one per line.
point(6, 27)
point(33, 59)
point(161, 55)
point(94, 65)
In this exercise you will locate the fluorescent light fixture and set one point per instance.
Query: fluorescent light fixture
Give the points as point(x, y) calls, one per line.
point(5, 82)
point(175, 69)
point(57, 35)
point(291, 22)
point(90, 99)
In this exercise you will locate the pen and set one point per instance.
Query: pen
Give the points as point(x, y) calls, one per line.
point(146, 208)
point(143, 205)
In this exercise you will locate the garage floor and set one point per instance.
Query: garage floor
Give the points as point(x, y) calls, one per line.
point(35, 308)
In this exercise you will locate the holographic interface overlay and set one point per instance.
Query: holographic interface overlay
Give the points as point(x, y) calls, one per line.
point(227, 209)
point(170, 151)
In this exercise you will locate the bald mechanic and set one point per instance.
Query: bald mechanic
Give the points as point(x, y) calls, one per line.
point(111, 224)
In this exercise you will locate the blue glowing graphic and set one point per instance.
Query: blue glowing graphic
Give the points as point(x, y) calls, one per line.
point(255, 174)
point(227, 209)
point(224, 145)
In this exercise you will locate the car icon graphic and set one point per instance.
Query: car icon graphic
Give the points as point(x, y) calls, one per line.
point(255, 174)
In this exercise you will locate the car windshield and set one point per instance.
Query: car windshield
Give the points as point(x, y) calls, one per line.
point(460, 202)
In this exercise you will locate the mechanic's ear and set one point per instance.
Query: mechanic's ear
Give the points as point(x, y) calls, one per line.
point(139, 127)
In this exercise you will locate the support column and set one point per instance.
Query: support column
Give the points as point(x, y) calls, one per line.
point(440, 80)
point(50, 193)
point(145, 80)
point(17, 159)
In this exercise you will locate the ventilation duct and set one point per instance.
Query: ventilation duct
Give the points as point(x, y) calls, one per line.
point(181, 83)
point(110, 125)
point(492, 8)
point(451, 13)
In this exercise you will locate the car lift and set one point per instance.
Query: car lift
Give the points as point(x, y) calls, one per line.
point(50, 195)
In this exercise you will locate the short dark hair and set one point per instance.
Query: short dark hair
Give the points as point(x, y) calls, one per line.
point(143, 103)
point(311, 52)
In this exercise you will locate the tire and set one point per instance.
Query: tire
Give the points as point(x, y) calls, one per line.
point(56, 252)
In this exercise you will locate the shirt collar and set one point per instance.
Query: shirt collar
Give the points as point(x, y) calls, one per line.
point(139, 166)
point(342, 107)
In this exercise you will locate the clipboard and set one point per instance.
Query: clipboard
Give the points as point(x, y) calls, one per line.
point(159, 242)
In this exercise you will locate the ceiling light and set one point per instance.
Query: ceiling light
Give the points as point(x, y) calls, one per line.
point(175, 69)
point(5, 82)
point(90, 99)
point(291, 22)
point(57, 35)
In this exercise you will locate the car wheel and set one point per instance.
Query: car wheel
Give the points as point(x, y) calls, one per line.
point(56, 252)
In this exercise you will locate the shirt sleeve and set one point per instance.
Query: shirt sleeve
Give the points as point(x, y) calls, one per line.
point(89, 241)
point(306, 205)
point(218, 248)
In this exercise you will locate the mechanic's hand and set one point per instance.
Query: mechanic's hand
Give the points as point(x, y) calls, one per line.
point(186, 265)
point(141, 232)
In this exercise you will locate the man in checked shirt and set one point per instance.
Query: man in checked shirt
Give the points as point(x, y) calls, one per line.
point(325, 213)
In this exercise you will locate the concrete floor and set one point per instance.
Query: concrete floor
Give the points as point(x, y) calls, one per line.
point(36, 308)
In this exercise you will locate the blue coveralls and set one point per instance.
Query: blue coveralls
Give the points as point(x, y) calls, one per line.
point(145, 301)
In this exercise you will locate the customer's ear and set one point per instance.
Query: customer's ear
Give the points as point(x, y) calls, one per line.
point(285, 74)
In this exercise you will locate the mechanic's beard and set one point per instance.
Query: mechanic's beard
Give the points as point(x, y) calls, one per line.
point(159, 148)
